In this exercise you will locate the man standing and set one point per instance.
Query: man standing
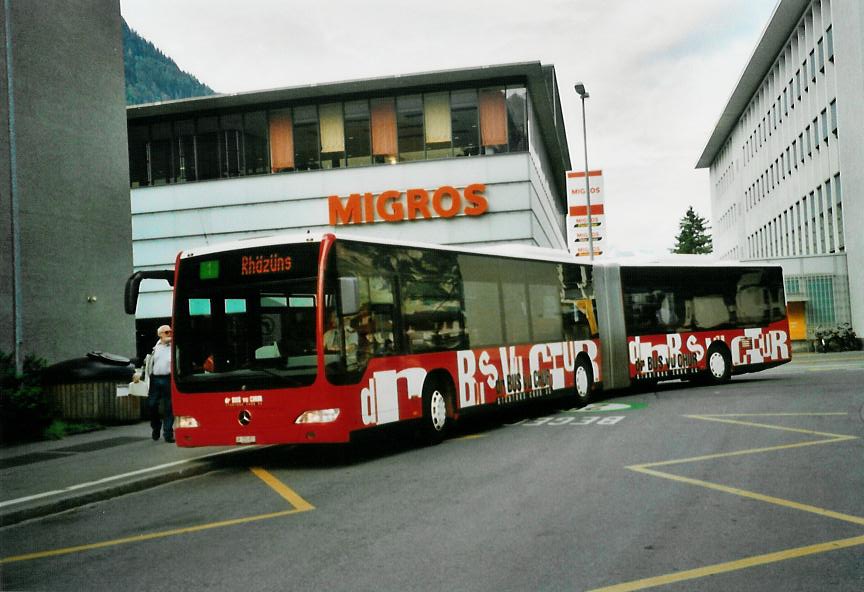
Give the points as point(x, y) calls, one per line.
point(158, 367)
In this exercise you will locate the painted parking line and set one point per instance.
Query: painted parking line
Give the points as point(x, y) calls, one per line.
point(828, 438)
point(298, 505)
point(729, 566)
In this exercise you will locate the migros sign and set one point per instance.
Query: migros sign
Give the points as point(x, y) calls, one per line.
point(413, 204)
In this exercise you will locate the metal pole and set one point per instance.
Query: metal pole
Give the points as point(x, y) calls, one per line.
point(587, 184)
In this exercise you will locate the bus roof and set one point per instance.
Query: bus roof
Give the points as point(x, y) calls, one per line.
point(503, 250)
point(512, 250)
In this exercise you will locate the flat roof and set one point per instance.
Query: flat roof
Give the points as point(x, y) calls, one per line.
point(539, 80)
point(776, 33)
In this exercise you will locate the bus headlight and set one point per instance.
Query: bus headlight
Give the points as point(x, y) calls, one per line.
point(184, 421)
point(319, 416)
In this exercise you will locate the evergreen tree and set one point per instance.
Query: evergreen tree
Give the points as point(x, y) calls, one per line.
point(693, 237)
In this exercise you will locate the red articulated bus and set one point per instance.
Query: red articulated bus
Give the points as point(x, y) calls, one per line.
point(313, 338)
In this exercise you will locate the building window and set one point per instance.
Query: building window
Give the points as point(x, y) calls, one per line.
point(821, 220)
point(184, 142)
point(798, 83)
point(816, 132)
point(829, 43)
point(438, 125)
point(834, 117)
point(517, 119)
point(824, 119)
point(493, 120)
point(231, 145)
point(281, 141)
point(798, 226)
point(159, 154)
point(463, 110)
point(409, 123)
point(821, 49)
point(812, 65)
point(306, 140)
point(207, 148)
point(332, 128)
point(139, 137)
point(830, 209)
point(384, 142)
point(838, 198)
point(255, 142)
point(806, 79)
point(330, 135)
point(358, 139)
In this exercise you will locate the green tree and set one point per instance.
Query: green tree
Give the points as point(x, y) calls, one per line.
point(693, 237)
point(153, 76)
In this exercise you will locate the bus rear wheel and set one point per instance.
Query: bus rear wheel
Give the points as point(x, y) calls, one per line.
point(437, 411)
point(583, 382)
point(719, 364)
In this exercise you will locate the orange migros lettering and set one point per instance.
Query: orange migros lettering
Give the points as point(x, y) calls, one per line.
point(414, 204)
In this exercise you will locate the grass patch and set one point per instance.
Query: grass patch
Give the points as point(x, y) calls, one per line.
point(59, 429)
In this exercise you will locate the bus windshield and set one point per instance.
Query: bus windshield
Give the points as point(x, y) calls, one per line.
point(236, 329)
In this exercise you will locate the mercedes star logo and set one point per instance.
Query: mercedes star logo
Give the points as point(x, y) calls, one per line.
point(244, 418)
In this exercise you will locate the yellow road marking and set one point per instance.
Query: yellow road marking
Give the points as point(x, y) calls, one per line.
point(753, 495)
point(286, 492)
point(759, 559)
point(769, 426)
point(805, 414)
point(719, 568)
point(144, 537)
point(298, 503)
point(471, 437)
point(743, 452)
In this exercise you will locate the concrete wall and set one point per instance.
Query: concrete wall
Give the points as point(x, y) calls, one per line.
point(7, 318)
point(72, 178)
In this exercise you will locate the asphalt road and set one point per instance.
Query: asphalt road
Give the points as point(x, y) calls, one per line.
point(756, 485)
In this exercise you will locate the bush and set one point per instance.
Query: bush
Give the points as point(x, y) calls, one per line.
point(25, 409)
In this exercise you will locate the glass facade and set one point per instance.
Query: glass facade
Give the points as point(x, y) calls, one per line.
point(330, 134)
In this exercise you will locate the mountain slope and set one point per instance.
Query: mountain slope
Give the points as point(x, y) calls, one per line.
point(153, 76)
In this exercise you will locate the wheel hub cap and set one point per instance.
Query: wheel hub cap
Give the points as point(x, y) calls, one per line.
point(581, 382)
point(718, 365)
point(438, 410)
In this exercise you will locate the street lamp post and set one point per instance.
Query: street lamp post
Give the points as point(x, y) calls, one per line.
point(580, 89)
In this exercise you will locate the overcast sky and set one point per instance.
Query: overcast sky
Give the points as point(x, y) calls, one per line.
point(659, 71)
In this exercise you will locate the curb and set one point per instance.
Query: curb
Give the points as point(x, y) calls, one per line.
point(76, 500)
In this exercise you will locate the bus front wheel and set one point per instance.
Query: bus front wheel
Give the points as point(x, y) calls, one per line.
point(719, 364)
point(583, 378)
point(437, 411)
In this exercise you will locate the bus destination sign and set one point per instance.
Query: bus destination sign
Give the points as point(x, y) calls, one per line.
point(263, 264)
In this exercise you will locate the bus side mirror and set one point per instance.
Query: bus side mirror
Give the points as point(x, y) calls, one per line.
point(133, 286)
point(349, 294)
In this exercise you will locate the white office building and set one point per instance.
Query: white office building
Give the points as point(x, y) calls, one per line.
point(786, 161)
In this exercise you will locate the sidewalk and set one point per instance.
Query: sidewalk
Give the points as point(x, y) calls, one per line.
point(42, 478)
